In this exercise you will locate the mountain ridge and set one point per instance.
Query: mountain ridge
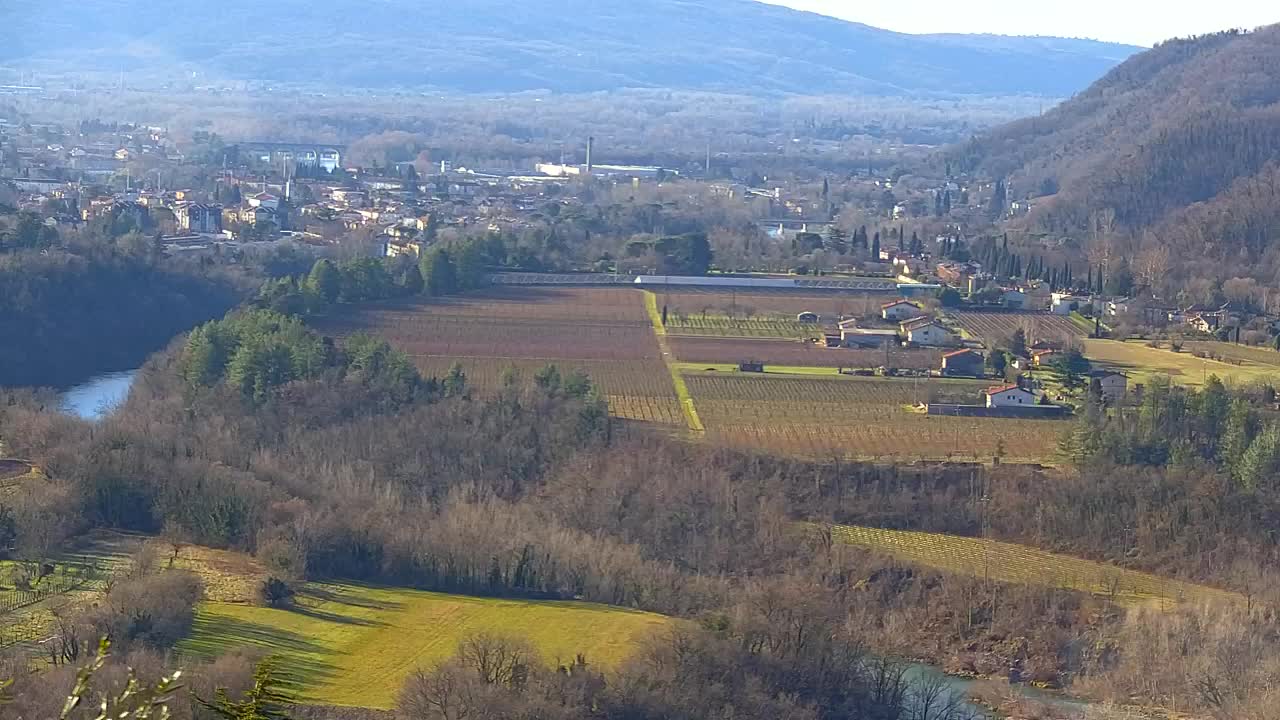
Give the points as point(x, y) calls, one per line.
point(558, 45)
point(1177, 150)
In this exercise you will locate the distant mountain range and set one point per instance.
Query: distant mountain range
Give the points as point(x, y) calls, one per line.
point(1178, 148)
point(500, 46)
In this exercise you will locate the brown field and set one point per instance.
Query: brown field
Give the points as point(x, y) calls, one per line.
point(861, 418)
point(605, 332)
point(829, 305)
point(536, 323)
point(993, 327)
point(786, 352)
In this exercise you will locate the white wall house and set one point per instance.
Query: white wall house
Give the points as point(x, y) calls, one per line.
point(929, 334)
point(900, 310)
point(1009, 396)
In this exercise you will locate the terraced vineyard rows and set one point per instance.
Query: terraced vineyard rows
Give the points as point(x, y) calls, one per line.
point(1011, 563)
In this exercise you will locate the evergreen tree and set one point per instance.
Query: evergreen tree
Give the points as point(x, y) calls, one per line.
point(325, 282)
point(875, 248)
point(264, 701)
point(438, 272)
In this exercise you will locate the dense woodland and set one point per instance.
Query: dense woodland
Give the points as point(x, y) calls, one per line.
point(1172, 151)
point(69, 315)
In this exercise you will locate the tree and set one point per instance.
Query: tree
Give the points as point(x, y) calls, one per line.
point(1072, 365)
point(875, 248)
point(264, 701)
point(998, 362)
point(950, 298)
point(1120, 282)
point(837, 240)
point(439, 273)
point(411, 281)
point(470, 265)
point(1261, 461)
point(999, 201)
point(455, 383)
point(325, 282)
point(8, 530)
point(1018, 342)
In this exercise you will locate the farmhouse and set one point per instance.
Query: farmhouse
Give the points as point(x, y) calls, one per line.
point(900, 310)
point(964, 363)
point(926, 332)
point(1110, 384)
point(1009, 396)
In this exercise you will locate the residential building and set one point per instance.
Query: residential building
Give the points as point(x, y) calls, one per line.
point(964, 363)
point(926, 332)
point(900, 310)
point(1111, 384)
point(199, 217)
point(1042, 358)
point(1008, 396)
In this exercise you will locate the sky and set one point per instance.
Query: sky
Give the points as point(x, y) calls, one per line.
point(1137, 22)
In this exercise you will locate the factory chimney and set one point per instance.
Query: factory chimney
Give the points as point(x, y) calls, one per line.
point(591, 142)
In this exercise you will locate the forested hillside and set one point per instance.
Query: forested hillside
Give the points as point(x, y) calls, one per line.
point(1176, 148)
point(559, 45)
point(67, 317)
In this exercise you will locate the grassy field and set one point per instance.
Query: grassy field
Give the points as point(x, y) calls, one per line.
point(355, 645)
point(1010, 563)
point(1142, 363)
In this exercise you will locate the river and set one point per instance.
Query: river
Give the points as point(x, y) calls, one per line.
point(97, 397)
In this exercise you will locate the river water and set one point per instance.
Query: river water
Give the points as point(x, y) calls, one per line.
point(97, 397)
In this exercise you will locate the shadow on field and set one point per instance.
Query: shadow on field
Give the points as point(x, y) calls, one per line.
point(325, 615)
point(302, 668)
point(345, 597)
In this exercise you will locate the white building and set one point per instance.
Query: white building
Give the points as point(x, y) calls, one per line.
point(900, 310)
point(926, 332)
point(1009, 396)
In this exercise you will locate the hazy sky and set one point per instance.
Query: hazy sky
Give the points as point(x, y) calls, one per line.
point(1138, 22)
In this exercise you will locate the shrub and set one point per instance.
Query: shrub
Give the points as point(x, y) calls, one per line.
point(276, 593)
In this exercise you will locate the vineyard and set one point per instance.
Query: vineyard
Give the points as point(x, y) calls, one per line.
point(861, 418)
point(781, 352)
point(734, 327)
point(783, 304)
point(996, 327)
point(1010, 563)
point(79, 578)
point(604, 332)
